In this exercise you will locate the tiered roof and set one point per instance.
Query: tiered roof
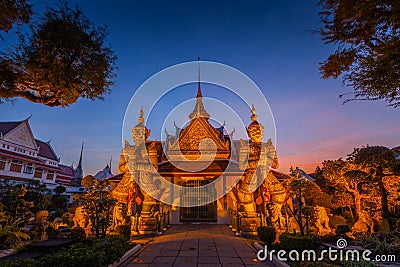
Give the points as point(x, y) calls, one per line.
point(46, 150)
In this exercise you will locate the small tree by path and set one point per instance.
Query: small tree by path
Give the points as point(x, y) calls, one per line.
point(98, 204)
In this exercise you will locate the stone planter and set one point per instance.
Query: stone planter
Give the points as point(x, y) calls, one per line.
point(126, 256)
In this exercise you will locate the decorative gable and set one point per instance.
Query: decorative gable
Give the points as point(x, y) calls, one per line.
point(197, 130)
point(21, 135)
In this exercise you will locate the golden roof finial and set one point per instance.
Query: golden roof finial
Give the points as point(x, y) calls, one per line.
point(253, 113)
point(141, 119)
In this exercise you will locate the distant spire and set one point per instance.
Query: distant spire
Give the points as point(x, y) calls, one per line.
point(110, 161)
point(199, 94)
point(80, 158)
point(78, 172)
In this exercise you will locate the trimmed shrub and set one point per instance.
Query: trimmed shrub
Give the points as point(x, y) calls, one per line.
point(267, 234)
point(328, 238)
point(124, 230)
point(289, 241)
point(91, 252)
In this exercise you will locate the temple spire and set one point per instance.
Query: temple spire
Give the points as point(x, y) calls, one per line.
point(78, 172)
point(253, 113)
point(199, 110)
point(198, 80)
point(80, 158)
point(141, 119)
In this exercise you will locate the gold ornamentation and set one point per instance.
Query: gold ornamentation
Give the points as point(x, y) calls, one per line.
point(191, 136)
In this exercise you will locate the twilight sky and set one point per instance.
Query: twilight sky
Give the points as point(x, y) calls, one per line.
point(269, 41)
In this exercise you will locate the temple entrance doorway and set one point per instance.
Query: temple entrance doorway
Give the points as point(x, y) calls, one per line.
point(193, 191)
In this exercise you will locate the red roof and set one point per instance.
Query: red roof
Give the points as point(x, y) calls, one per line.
point(45, 150)
point(66, 170)
point(5, 127)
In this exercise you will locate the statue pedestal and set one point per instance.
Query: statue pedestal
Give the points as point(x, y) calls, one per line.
point(147, 225)
point(244, 224)
point(249, 225)
point(234, 222)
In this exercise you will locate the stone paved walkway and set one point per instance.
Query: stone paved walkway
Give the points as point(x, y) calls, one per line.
point(197, 245)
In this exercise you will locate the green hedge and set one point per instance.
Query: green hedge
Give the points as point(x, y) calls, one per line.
point(18, 263)
point(267, 234)
point(92, 252)
point(289, 241)
point(124, 230)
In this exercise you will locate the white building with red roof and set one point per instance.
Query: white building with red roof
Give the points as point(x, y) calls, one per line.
point(24, 158)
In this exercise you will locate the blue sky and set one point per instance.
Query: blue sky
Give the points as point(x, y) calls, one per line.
point(269, 41)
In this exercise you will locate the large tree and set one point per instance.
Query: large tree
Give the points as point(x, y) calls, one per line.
point(14, 12)
point(346, 177)
point(367, 36)
point(378, 161)
point(63, 58)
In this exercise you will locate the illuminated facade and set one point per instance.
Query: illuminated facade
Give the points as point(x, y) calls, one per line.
point(234, 162)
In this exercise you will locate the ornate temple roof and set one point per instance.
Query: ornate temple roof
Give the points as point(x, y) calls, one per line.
point(187, 140)
point(104, 173)
point(199, 111)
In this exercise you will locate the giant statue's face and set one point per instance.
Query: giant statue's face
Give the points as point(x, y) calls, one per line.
point(255, 132)
point(138, 134)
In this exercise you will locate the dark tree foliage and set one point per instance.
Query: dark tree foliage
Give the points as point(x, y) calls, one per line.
point(59, 190)
point(35, 193)
point(63, 58)
point(14, 12)
point(367, 36)
point(14, 206)
point(376, 158)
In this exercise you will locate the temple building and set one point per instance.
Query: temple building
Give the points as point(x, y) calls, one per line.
point(23, 158)
point(105, 173)
point(77, 172)
point(231, 189)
